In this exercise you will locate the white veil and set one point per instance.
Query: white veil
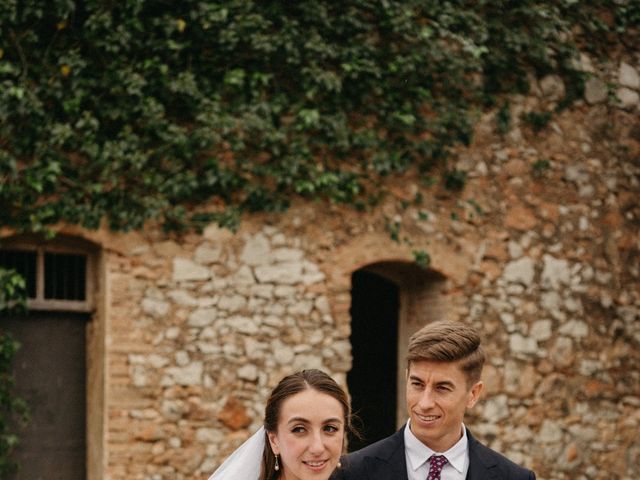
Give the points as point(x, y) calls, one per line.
point(245, 462)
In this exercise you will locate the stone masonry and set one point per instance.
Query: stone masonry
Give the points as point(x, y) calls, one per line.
point(541, 251)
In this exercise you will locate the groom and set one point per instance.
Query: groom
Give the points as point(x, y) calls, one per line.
point(445, 361)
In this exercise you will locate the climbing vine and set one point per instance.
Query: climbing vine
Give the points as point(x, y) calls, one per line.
point(194, 111)
point(12, 408)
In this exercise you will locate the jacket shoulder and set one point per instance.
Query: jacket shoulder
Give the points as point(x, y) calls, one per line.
point(481, 455)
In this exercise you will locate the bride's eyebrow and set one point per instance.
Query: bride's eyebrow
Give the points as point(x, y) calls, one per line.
point(298, 420)
point(332, 420)
point(306, 421)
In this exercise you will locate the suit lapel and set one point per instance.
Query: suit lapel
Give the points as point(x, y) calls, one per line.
point(481, 466)
point(390, 463)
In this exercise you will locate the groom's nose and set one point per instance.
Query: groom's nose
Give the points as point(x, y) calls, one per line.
point(426, 399)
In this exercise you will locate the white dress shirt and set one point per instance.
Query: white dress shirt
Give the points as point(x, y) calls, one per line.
point(417, 454)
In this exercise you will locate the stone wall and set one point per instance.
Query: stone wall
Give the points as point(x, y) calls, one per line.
point(540, 250)
point(201, 330)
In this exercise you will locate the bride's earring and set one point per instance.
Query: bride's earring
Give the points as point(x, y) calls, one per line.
point(277, 467)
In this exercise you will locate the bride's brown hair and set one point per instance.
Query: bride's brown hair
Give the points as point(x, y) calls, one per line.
point(290, 385)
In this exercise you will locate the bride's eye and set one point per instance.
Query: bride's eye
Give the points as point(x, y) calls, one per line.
point(298, 429)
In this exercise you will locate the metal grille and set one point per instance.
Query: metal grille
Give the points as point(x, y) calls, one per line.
point(64, 276)
point(24, 263)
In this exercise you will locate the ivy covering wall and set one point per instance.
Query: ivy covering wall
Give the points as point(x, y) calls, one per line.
point(145, 109)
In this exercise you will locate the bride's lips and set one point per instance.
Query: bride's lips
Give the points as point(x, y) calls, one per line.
point(315, 465)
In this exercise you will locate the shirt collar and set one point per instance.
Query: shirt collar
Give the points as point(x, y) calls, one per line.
point(418, 453)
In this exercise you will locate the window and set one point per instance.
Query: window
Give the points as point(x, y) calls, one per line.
point(57, 277)
point(64, 276)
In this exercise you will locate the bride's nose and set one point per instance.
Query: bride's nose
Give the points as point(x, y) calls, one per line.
point(317, 443)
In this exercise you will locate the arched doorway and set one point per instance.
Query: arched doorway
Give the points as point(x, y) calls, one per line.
point(389, 302)
point(374, 337)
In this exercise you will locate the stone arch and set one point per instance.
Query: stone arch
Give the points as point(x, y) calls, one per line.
point(88, 310)
point(424, 294)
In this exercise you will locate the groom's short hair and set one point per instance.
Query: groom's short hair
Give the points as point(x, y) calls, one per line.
point(449, 341)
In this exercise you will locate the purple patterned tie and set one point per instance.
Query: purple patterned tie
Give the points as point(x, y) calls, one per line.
point(436, 463)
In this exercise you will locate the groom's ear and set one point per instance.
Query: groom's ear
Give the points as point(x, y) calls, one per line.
point(273, 441)
point(474, 394)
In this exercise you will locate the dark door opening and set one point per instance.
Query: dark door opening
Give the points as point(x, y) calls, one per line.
point(50, 375)
point(372, 380)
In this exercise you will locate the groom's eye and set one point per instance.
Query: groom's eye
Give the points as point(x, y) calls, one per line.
point(445, 387)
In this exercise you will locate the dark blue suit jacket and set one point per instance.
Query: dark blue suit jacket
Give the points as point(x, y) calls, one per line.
point(386, 460)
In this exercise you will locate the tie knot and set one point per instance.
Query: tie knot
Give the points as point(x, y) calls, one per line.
point(436, 463)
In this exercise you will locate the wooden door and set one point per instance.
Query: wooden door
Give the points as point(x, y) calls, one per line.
point(50, 374)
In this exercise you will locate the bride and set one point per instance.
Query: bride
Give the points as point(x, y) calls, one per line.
point(305, 421)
